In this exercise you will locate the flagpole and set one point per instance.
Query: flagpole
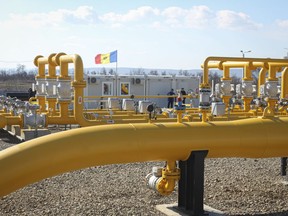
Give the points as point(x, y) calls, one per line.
point(116, 75)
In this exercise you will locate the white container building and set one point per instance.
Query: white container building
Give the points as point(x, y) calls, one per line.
point(106, 86)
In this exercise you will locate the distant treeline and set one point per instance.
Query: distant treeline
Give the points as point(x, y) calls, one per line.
point(20, 73)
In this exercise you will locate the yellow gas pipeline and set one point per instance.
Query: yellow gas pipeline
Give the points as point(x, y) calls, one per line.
point(284, 84)
point(91, 146)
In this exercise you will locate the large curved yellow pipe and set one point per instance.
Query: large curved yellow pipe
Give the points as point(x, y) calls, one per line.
point(111, 144)
point(79, 84)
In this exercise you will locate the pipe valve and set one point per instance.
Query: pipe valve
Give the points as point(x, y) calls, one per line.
point(51, 88)
point(32, 119)
point(20, 107)
point(226, 88)
point(247, 88)
point(64, 89)
point(204, 98)
point(163, 179)
point(40, 86)
point(271, 89)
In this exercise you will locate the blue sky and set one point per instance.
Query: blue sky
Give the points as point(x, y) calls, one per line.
point(162, 34)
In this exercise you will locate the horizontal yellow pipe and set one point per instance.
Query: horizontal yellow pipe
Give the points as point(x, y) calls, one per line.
point(134, 116)
point(60, 120)
point(51, 155)
point(238, 64)
point(135, 96)
point(10, 120)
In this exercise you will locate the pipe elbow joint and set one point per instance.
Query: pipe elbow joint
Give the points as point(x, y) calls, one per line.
point(35, 61)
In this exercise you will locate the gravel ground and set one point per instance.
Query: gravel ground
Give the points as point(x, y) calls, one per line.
point(232, 185)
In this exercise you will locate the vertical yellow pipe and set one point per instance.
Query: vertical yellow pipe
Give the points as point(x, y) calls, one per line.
point(284, 84)
point(179, 116)
point(204, 115)
point(40, 61)
point(226, 73)
point(64, 110)
point(261, 79)
point(52, 108)
point(170, 174)
point(247, 75)
point(51, 66)
point(272, 73)
point(51, 76)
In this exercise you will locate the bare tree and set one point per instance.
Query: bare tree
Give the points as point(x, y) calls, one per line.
point(103, 71)
point(153, 72)
point(111, 72)
point(184, 73)
point(138, 71)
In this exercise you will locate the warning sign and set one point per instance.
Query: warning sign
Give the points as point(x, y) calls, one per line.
point(80, 100)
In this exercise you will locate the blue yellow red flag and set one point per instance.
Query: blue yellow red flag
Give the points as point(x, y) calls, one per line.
point(106, 58)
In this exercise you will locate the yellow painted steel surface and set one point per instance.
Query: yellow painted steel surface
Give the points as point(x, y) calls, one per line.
point(51, 155)
point(256, 62)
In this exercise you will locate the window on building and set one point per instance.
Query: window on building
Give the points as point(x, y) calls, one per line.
point(107, 88)
point(124, 88)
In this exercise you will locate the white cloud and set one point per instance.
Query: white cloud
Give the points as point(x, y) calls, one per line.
point(131, 15)
point(282, 23)
point(170, 17)
point(83, 14)
point(232, 20)
point(195, 17)
point(176, 17)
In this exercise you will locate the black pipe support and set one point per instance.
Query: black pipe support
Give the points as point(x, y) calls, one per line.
point(191, 184)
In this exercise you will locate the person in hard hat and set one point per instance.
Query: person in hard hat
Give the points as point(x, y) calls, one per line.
point(171, 99)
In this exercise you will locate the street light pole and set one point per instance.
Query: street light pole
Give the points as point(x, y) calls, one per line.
point(243, 52)
point(286, 57)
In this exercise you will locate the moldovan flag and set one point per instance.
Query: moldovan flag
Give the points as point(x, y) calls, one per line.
point(106, 58)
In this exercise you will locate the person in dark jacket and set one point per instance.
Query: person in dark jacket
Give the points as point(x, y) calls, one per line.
point(171, 99)
point(31, 93)
point(183, 92)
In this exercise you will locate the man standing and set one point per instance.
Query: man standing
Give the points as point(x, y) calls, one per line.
point(183, 92)
point(171, 99)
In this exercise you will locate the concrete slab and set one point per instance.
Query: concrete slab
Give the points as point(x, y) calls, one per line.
point(28, 134)
point(172, 210)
